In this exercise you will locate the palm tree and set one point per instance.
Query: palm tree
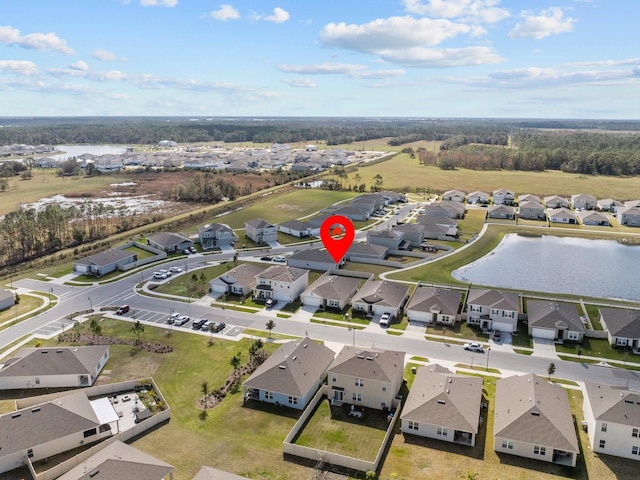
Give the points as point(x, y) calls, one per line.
point(270, 326)
point(137, 329)
point(235, 361)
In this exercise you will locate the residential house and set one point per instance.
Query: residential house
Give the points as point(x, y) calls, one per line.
point(558, 321)
point(380, 296)
point(612, 417)
point(504, 212)
point(533, 420)
point(412, 233)
point(53, 367)
point(453, 196)
point(628, 216)
point(561, 215)
point(169, 242)
point(281, 282)
point(389, 238)
point(261, 231)
point(446, 209)
point(291, 375)
point(298, 228)
point(361, 252)
point(609, 205)
point(622, 326)
point(493, 309)
point(51, 428)
point(434, 305)
point(370, 201)
point(116, 459)
point(554, 201)
point(330, 291)
point(503, 197)
point(528, 197)
point(209, 473)
point(7, 299)
point(313, 259)
point(531, 211)
point(240, 280)
point(593, 217)
point(102, 263)
point(354, 213)
point(478, 198)
point(366, 377)
point(438, 228)
point(583, 201)
point(393, 197)
point(632, 203)
point(213, 235)
point(318, 220)
point(443, 406)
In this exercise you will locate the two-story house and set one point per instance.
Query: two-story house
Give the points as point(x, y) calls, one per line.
point(281, 282)
point(503, 197)
point(214, 235)
point(628, 216)
point(240, 280)
point(493, 309)
point(261, 231)
point(583, 201)
point(366, 377)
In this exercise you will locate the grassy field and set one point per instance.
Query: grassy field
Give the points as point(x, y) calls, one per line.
point(28, 303)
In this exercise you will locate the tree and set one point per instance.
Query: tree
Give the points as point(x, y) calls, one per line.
point(93, 326)
point(551, 369)
point(378, 179)
point(212, 328)
point(205, 388)
point(137, 329)
point(203, 282)
point(98, 331)
point(235, 361)
point(270, 326)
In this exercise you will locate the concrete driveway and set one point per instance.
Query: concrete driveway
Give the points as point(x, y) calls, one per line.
point(543, 347)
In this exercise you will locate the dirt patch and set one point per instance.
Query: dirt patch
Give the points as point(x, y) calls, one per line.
point(88, 339)
point(289, 208)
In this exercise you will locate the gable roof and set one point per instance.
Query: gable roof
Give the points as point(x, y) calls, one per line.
point(53, 361)
point(282, 273)
point(313, 255)
point(555, 199)
point(503, 192)
point(386, 233)
point(209, 473)
point(611, 404)
point(382, 292)
point(621, 322)
point(105, 258)
point(168, 239)
point(494, 299)
point(244, 274)
point(501, 208)
point(555, 315)
point(528, 197)
point(296, 225)
point(435, 300)
point(531, 410)
point(119, 460)
point(592, 215)
point(444, 399)
point(333, 287)
point(214, 227)
point(359, 248)
point(478, 194)
point(585, 197)
point(292, 369)
point(5, 294)
point(561, 212)
point(259, 223)
point(368, 363)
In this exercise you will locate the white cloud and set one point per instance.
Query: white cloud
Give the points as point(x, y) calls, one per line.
point(158, 3)
point(21, 67)
point(300, 82)
point(103, 55)
point(351, 70)
point(550, 22)
point(279, 16)
point(79, 65)
point(390, 33)
point(607, 63)
point(476, 11)
point(441, 57)
point(34, 41)
point(224, 13)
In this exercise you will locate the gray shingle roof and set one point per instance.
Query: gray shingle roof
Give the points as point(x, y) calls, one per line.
point(555, 315)
point(360, 248)
point(382, 292)
point(494, 299)
point(54, 361)
point(333, 287)
point(444, 399)
point(4, 294)
point(296, 225)
point(313, 255)
point(259, 223)
point(529, 409)
point(208, 473)
point(168, 239)
point(244, 274)
point(615, 405)
point(105, 258)
point(621, 322)
point(436, 300)
point(292, 369)
point(368, 363)
point(282, 273)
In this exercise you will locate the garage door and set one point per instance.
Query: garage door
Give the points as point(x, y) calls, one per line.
point(543, 333)
point(310, 301)
point(503, 327)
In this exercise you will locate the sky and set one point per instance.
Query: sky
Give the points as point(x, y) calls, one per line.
point(325, 58)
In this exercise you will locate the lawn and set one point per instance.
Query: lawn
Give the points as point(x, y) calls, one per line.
point(28, 303)
point(142, 253)
point(597, 347)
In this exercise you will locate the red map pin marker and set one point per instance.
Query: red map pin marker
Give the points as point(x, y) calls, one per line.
point(337, 235)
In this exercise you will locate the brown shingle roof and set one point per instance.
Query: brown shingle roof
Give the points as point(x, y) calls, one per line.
point(54, 361)
point(610, 404)
point(333, 287)
point(433, 299)
point(555, 315)
point(621, 322)
point(282, 273)
point(382, 292)
point(370, 363)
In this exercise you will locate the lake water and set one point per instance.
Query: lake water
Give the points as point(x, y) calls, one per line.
point(76, 150)
point(598, 268)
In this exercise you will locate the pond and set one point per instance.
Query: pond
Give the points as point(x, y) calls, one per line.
point(595, 268)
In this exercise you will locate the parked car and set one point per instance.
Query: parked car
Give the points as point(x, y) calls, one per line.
point(270, 302)
point(186, 251)
point(193, 250)
point(197, 324)
point(385, 319)
point(159, 275)
point(279, 259)
point(205, 325)
point(175, 269)
point(266, 258)
point(167, 273)
point(474, 347)
point(496, 335)
point(218, 326)
point(181, 320)
point(122, 310)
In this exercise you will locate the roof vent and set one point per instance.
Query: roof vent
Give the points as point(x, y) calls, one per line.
point(94, 473)
point(282, 367)
point(361, 356)
point(535, 413)
point(16, 415)
point(294, 357)
point(442, 402)
point(37, 409)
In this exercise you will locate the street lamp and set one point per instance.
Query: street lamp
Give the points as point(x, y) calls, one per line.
point(90, 303)
point(50, 293)
point(488, 352)
point(353, 332)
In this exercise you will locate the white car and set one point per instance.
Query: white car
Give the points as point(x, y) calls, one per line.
point(279, 259)
point(175, 270)
point(474, 347)
point(385, 319)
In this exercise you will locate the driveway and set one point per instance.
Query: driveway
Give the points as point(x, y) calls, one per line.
point(546, 348)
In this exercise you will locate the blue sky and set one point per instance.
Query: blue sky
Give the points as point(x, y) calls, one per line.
point(390, 58)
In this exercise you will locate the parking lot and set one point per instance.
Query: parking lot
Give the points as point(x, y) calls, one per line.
point(161, 318)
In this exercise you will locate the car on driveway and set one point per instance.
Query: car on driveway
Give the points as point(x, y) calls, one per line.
point(385, 319)
point(270, 302)
point(474, 347)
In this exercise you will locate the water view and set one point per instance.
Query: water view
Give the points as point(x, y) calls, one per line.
point(597, 268)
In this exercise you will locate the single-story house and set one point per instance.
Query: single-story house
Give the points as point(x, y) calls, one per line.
point(261, 231)
point(393, 197)
point(413, 233)
point(593, 217)
point(561, 215)
point(554, 201)
point(628, 216)
point(389, 238)
point(318, 220)
point(478, 197)
point(313, 259)
point(330, 291)
point(53, 367)
point(622, 326)
point(291, 375)
point(612, 417)
point(506, 212)
point(528, 197)
point(361, 252)
point(281, 282)
point(438, 228)
point(104, 262)
point(453, 196)
point(298, 228)
point(366, 377)
point(380, 296)
point(169, 242)
point(115, 459)
point(531, 210)
point(533, 420)
point(210, 473)
point(7, 299)
point(609, 205)
point(632, 203)
point(443, 406)
point(493, 309)
point(554, 320)
point(240, 280)
point(434, 305)
point(583, 201)
point(445, 209)
point(503, 197)
point(214, 235)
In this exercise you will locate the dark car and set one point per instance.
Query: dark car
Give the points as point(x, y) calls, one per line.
point(122, 310)
point(266, 258)
point(197, 324)
point(218, 326)
point(270, 302)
